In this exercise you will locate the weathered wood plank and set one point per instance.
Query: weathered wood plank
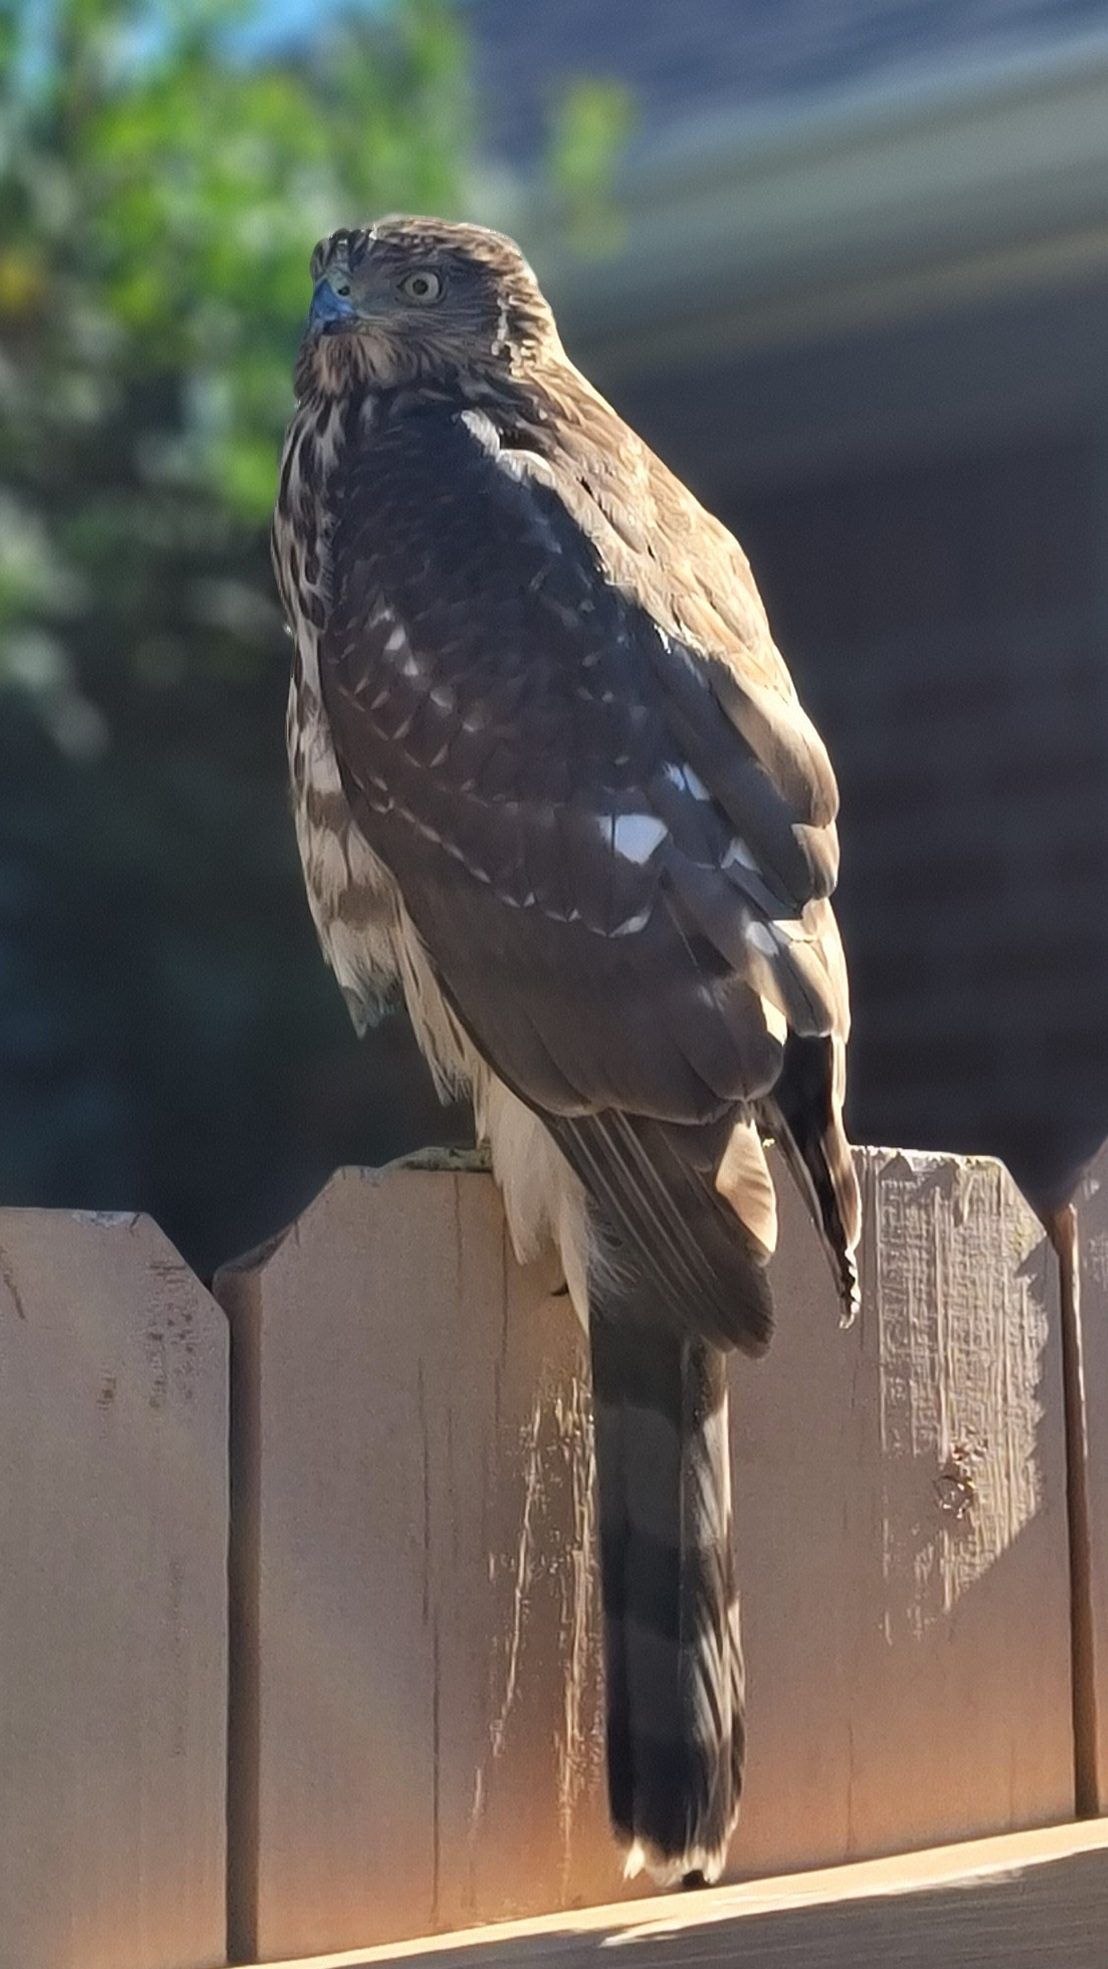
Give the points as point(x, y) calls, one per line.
point(420, 1692)
point(1091, 1441)
point(1034, 1900)
point(901, 1518)
point(113, 1539)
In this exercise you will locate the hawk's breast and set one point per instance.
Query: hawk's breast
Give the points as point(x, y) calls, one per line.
point(352, 896)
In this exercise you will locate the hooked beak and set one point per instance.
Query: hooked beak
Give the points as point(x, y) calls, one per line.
point(329, 310)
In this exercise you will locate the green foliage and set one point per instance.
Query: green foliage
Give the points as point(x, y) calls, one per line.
point(164, 1016)
point(591, 123)
point(158, 192)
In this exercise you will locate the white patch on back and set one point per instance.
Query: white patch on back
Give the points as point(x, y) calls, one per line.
point(776, 1023)
point(631, 925)
point(737, 851)
point(483, 429)
point(635, 836)
point(761, 938)
point(686, 781)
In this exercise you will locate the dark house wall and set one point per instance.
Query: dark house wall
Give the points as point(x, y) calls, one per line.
point(945, 627)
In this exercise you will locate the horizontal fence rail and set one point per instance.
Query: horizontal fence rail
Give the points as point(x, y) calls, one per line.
point(394, 1726)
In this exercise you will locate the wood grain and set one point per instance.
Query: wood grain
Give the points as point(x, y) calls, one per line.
point(113, 1605)
point(901, 1522)
point(427, 1691)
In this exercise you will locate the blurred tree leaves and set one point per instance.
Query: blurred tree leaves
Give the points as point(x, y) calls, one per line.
point(169, 1038)
point(591, 120)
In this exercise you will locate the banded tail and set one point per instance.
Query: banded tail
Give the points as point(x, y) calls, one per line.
point(671, 1621)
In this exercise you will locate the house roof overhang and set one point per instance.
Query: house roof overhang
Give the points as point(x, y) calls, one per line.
point(893, 203)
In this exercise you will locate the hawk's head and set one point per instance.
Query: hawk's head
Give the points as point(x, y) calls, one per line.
point(410, 300)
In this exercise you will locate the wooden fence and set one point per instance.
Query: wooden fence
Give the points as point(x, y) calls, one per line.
point(382, 1718)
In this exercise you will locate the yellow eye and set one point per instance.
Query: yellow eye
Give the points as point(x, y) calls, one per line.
point(421, 287)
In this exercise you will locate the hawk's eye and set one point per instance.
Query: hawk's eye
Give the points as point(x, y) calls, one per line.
point(422, 287)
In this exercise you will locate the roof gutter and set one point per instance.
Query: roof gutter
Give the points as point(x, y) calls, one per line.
point(736, 236)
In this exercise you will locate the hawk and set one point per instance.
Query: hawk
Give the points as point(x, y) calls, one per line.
point(552, 781)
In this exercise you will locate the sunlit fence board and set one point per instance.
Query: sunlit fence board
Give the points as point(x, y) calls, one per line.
point(416, 1716)
point(1091, 1442)
point(416, 1735)
point(113, 1542)
point(903, 1540)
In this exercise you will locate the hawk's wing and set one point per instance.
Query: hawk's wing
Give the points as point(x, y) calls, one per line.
point(615, 854)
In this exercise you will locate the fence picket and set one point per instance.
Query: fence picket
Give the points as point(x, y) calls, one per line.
point(113, 1537)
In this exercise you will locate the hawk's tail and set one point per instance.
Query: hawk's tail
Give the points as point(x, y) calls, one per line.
point(671, 1621)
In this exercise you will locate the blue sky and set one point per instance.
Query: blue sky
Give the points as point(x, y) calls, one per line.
point(276, 19)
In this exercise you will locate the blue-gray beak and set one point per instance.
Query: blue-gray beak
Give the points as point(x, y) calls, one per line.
point(328, 307)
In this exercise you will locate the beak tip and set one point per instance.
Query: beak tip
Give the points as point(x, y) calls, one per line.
point(328, 307)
